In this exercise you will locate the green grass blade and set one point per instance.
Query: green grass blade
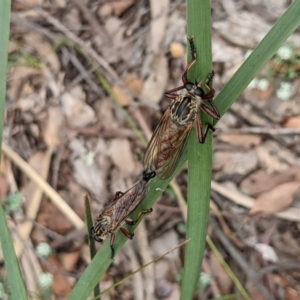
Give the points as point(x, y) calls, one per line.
point(199, 156)
point(17, 287)
point(89, 224)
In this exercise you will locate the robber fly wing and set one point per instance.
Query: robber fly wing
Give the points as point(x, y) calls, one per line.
point(171, 162)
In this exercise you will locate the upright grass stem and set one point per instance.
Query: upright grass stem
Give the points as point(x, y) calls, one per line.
point(199, 156)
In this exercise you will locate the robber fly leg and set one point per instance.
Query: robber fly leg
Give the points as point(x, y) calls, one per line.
point(171, 94)
point(214, 113)
point(194, 54)
point(208, 85)
point(201, 135)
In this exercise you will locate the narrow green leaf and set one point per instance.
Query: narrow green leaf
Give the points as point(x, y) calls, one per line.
point(199, 156)
point(16, 284)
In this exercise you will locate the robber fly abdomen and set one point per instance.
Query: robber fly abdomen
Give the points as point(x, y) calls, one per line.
point(116, 213)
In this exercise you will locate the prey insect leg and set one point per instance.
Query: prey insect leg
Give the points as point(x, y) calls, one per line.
point(140, 214)
point(112, 248)
point(127, 233)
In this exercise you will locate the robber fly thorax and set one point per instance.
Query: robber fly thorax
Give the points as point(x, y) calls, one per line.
point(115, 215)
point(171, 134)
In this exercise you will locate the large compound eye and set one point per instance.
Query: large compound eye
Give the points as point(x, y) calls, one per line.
point(98, 239)
point(188, 86)
point(199, 92)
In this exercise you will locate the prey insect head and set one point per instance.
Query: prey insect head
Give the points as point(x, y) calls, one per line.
point(148, 175)
point(101, 229)
point(95, 236)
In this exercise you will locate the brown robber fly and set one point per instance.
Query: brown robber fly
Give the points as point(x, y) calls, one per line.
point(116, 213)
point(171, 134)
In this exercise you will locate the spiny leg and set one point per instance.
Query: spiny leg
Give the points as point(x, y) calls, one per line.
point(140, 214)
point(214, 113)
point(208, 83)
point(194, 55)
point(171, 93)
point(201, 135)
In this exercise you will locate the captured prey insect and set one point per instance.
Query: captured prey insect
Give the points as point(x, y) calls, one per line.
point(171, 134)
point(116, 213)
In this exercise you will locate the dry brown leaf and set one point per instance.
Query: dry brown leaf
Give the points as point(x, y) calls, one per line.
point(26, 4)
point(44, 49)
point(37, 162)
point(120, 6)
point(244, 28)
point(122, 98)
point(156, 83)
point(61, 287)
point(260, 181)
point(269, 159)
point(264, 95)
point(276, 200)
point(53, 131)
point(69, 260)
point(3, 186)
point(105, 10)
point(235, 163)
point(134, 83)
point(105, 112)
point(253, 291)
point(77, 112)
point(52, 218)
point(292, 294)
point(91, 176)
point(164, 243)
point(159, 14)
point(220, 275)
point(245, 140)
point(121, 154)
point(293, 122)
point(286, 244)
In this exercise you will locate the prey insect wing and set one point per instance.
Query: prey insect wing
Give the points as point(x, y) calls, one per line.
point(128, 202)
point(166, 146)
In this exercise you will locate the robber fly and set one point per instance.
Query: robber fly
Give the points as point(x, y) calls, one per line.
point(170, 136)
point(116, 213)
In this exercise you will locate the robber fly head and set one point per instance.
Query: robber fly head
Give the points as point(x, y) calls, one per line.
point(102, 228)
point(194, 90)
